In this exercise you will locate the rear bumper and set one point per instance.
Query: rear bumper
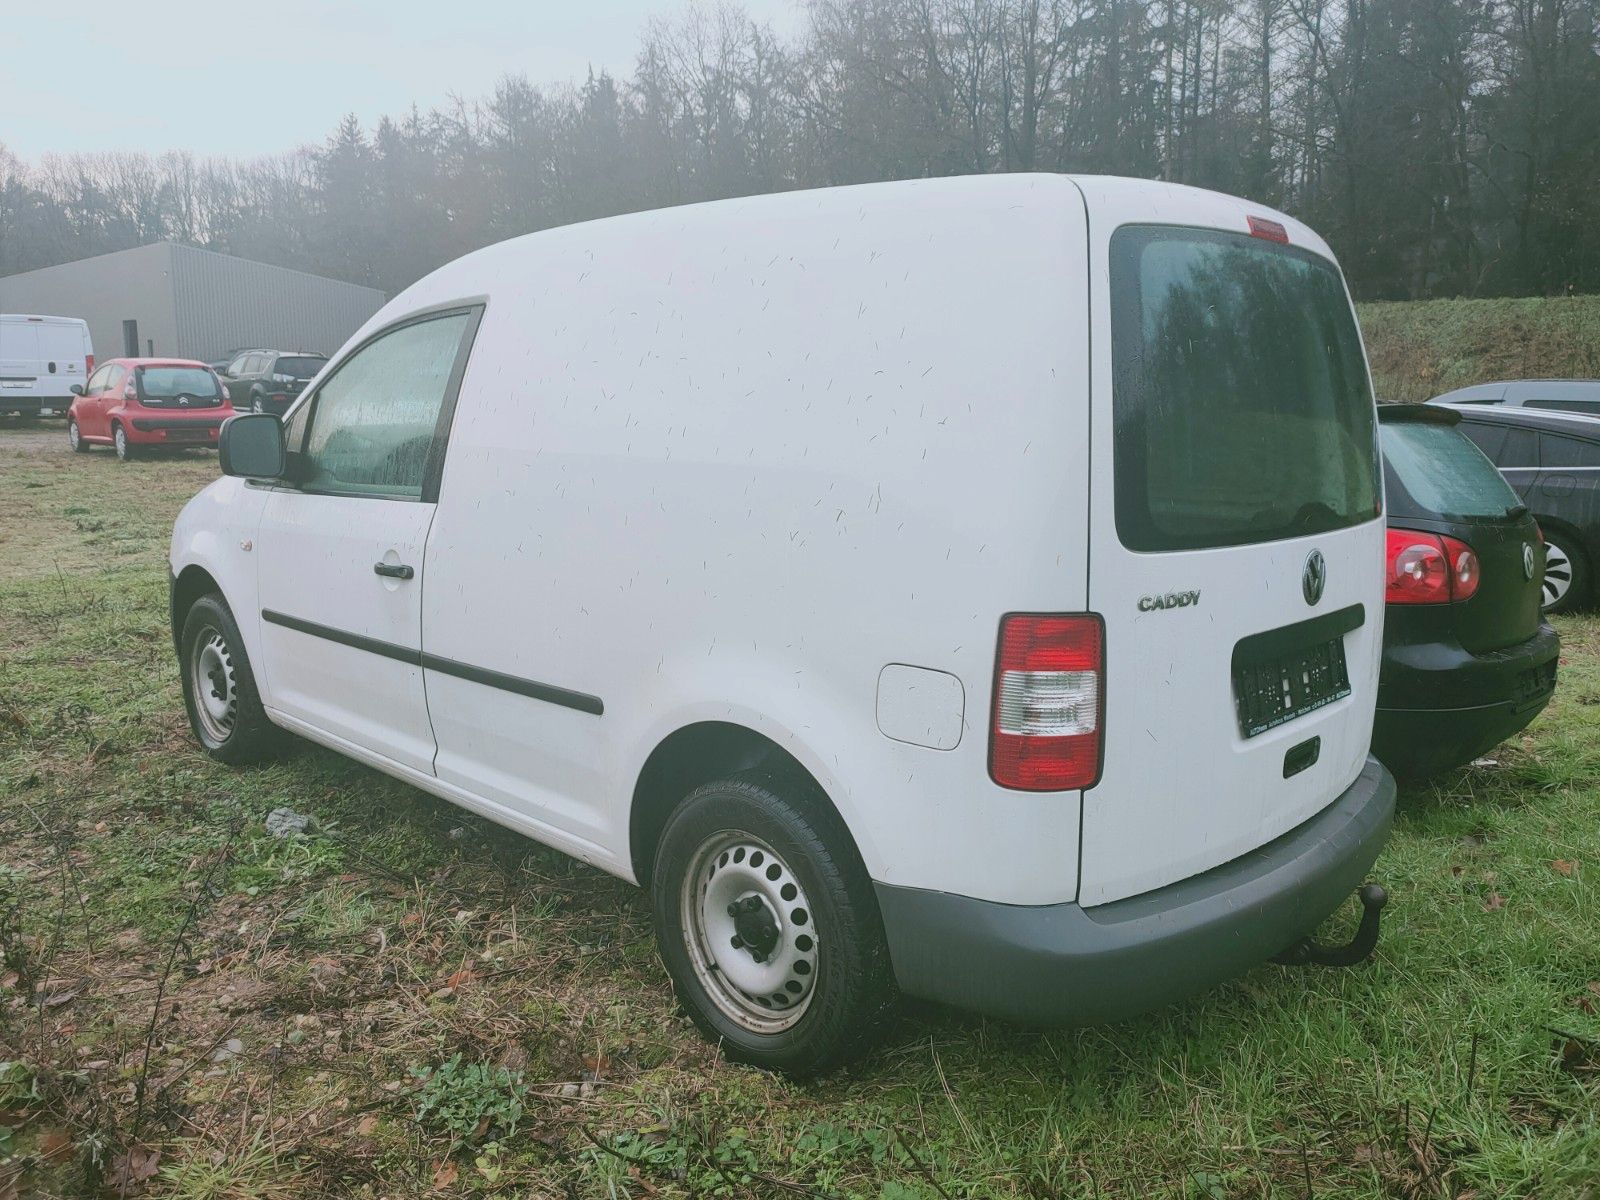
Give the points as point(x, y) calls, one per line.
point(188, 430)
point(1063, 964)
point(1440, 707)
point(31, 406)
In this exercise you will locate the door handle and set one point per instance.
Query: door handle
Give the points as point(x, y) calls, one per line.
point(392, 570)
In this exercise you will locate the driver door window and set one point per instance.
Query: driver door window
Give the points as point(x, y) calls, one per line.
point(375, 424)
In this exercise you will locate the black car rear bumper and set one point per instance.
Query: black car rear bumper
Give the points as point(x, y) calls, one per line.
point(1065, 964)
point(1440, 706)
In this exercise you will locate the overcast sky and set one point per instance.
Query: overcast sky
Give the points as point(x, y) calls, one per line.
point(264, 76)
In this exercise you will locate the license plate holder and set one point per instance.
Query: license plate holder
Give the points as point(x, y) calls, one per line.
point(1286, 673)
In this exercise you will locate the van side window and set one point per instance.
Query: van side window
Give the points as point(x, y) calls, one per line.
point(374, 421)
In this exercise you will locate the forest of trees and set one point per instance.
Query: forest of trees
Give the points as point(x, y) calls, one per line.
point(1444, 147)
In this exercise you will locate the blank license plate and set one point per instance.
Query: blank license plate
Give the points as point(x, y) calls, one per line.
point(1267, 694)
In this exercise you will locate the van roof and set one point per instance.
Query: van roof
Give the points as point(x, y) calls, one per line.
point(961, 197)
point(39, 318)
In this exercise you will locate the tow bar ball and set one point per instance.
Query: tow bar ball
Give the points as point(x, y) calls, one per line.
point(1309, 953)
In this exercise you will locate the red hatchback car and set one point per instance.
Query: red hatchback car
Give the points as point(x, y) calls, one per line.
point(129, 403)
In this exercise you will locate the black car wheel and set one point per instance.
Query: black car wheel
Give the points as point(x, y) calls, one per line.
point(219, 688)
point(1566, 573)
point(769, 927)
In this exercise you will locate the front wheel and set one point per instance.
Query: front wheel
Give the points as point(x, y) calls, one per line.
point(219, 688)
point(75, 437)
point(1566, 574)
point(768, 925)
point(255, 404)
point(120, 443)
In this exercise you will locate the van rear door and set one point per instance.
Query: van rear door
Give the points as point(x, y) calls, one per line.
point(1236, 535)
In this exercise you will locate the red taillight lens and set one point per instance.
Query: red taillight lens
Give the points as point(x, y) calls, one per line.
point(1273, 231)
point(1045, 729)
point(1427, 568)
point(88, 364)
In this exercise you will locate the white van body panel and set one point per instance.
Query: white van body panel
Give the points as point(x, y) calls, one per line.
point(41, 358)
point(727, 462)
point(1181, 790)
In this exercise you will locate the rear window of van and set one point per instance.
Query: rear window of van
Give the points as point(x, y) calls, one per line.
point(1241, 403)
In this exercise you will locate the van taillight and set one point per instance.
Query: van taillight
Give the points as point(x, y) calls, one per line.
point(1045, 731)
point(88, 364)
point(1273, 231)
point(1429, 568)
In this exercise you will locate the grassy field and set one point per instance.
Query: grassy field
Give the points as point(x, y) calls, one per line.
point(1421, 348)
point(409, 1001)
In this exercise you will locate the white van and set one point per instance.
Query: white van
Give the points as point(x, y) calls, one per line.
point(40, 359)
point(971, 587)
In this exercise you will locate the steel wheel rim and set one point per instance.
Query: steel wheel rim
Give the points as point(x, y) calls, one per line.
point(215, 687)
point(762, 988)
point(72, 434)
point(1557, 574)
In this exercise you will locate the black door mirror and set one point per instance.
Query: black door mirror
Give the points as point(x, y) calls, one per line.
point(251, 445)
point(76, 389)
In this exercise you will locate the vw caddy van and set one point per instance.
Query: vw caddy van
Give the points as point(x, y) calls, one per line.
point(970, 588)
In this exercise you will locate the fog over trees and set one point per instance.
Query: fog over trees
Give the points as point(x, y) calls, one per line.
point(1444, 147)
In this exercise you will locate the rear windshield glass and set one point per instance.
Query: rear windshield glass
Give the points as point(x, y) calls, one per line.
point(1443, 472)
point(1243, 412)
point(167, 383)
point(301, 367)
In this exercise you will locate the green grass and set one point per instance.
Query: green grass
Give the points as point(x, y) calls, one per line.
point(1420, 348)
point(1464, 1060)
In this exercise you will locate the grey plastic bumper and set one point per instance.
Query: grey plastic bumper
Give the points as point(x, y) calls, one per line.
point(1062, 964)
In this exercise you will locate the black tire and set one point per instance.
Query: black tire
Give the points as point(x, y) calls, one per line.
point(1578, 573)
point(75, 437)
point(243, 735)
point(851, 991)
point(124, 448)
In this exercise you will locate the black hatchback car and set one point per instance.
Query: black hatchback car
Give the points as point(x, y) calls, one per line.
point(1552, 460)
point(1467, 659)
point(270, 380)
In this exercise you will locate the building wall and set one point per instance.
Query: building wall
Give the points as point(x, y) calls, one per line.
point(193, 303)
point(225, 304)
point(105, 291)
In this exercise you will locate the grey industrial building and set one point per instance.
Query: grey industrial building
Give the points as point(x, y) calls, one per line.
point(184, 302)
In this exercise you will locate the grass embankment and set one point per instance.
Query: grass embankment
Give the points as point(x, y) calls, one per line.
point(221, 1014)
point(1421, 348)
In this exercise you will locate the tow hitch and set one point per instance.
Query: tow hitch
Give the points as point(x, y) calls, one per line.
point(1307, 952)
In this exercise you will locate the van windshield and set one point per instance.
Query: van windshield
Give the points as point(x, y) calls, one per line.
point(1242, 408)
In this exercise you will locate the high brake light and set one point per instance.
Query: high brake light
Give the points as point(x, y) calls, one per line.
point(1272, 231)
point(1429, 568)
point(1045, 730)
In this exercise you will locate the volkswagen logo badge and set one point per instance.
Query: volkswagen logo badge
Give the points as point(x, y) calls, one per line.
point(1313, 576)
point(1527, 559)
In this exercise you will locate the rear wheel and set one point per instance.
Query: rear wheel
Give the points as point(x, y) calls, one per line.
point(768, 925)
point(75, 436)
point(120, 442)
point(1566, 573)
point(219, 688)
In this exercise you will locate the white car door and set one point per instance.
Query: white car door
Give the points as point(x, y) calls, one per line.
point(341, 544)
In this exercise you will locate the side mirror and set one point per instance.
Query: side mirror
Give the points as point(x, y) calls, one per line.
point(76, 389)
point(251, 445)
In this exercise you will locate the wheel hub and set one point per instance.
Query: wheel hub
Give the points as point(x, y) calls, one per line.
point(749, 932)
